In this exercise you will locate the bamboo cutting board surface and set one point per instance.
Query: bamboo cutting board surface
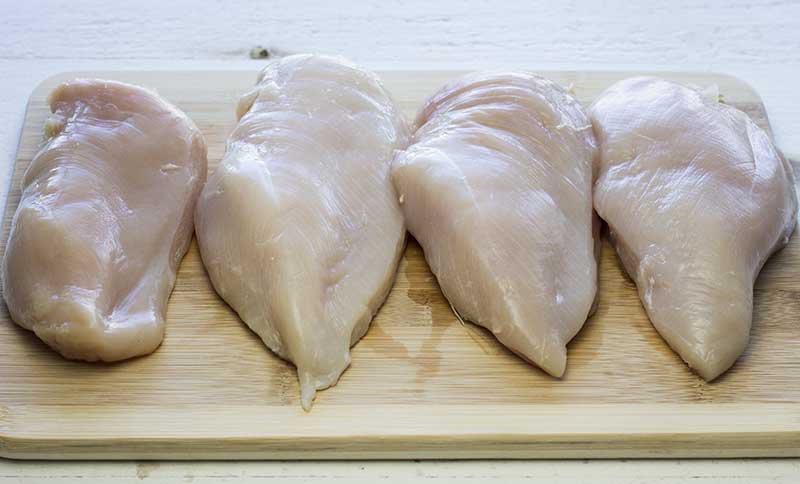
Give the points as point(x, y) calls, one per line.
point(422, 385)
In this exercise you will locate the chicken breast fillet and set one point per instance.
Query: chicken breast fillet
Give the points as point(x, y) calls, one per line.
point(497, 189)
point(299, 227)
point(104, 220)
point(696, 199)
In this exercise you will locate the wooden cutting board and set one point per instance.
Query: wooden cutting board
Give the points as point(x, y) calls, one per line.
point(422, 385)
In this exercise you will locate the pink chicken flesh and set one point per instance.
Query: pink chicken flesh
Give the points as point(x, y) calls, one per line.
point(497, 189)
point(696, 199)
point(299, 227)
point(104, 220)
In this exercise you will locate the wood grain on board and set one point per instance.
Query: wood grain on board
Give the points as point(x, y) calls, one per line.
point(422, 385)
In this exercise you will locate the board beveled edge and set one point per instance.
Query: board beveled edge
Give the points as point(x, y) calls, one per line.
point(401, 432)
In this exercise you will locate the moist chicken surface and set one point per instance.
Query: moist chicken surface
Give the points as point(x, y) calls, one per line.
point(497, 189)
point(696, 198)
point(104, 220)
point(299, 227)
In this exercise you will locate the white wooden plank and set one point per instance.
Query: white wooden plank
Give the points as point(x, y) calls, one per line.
point(680, 32)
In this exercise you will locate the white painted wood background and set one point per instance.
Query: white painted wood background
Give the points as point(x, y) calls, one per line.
point(758, 41)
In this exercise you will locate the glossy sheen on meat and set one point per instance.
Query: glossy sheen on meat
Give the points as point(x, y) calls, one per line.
point(497, 190)
point(696, 198)
point(104, 220)
point(299, 227)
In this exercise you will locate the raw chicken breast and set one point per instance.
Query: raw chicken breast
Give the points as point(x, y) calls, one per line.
point(104, 220)
point(299, 227)
point(497, 189)
point(696, 199)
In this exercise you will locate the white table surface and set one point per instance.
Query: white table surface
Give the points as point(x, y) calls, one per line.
point(758, 41)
